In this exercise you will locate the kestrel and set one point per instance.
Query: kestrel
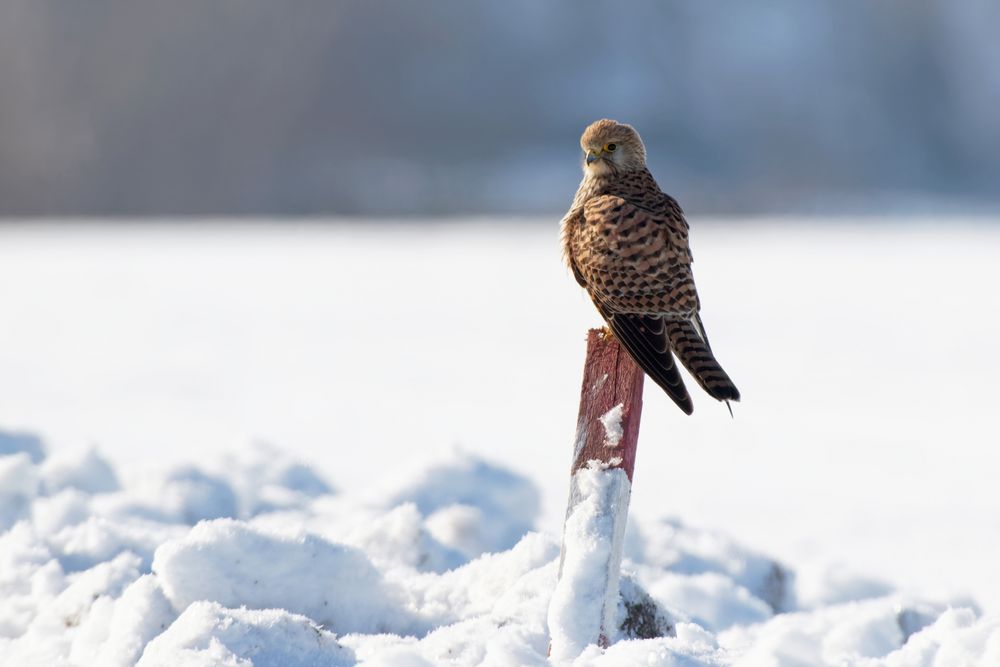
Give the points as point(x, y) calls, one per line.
point(626, 242)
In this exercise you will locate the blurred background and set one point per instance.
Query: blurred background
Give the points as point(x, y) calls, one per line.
point(379, 339)
point(250, 107)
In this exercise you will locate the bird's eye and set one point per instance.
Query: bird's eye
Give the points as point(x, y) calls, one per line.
point(610, 147)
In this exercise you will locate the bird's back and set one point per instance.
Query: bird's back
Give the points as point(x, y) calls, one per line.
point(626, 242)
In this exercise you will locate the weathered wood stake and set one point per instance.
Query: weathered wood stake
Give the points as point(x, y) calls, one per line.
point(610, 378)
point(585, 600)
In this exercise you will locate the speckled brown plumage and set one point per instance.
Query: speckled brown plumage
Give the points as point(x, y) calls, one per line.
point(626, 242)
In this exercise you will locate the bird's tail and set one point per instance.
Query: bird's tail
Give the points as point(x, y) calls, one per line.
point(645, 339)
point(690, 344)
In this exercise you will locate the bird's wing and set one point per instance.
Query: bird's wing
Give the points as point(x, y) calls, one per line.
point(634, 260)
point(645, 337)
point(570, 223)
point(636, 266)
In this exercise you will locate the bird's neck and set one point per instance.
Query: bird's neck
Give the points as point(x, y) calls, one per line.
point(593, 185)
point(616, 183)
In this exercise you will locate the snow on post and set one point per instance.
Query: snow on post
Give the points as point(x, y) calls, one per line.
point(585, 601)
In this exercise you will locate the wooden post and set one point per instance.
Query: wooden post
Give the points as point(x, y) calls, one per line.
point(586, 597)
point(610, 379)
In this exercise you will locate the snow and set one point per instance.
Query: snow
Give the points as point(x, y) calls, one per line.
point(28, 444)
point(209, 634)
point(231, 462)
point(329, 578)
point(233, 563)
point(485, 507)
point(84, 470)
point(585, 600)
point(612, 423)
point(142, 613)
point(18, 485)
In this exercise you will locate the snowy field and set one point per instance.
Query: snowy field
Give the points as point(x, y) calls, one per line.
point(307, 445)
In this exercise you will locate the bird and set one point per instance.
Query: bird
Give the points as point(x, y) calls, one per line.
point(626, 243)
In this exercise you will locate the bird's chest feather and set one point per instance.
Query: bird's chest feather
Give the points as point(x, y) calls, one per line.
point(611, 236)
point(625, 258)
point(599, 242)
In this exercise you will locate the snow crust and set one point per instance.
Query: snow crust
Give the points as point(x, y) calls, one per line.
point(95, 573)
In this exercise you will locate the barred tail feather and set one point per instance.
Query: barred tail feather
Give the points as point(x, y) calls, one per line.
point(645, 339)
point(690, 344)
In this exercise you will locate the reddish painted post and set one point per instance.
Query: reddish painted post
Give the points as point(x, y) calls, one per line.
point(610, 378)
point(585, 600)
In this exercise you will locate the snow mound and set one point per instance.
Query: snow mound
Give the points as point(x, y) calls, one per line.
point(209, 634)
point(140, 614)
point(235, 564)
point(97, 568)
point(18, 487)
point(265, 479)
point(193, 496)
point(14, 442)
point(475, 507)
point(86, 471)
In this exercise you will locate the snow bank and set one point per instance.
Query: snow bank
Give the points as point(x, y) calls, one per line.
point(235, 564)
point(14, 442)
point(140, 614)
point(266, 479)
point(475, 507)
point(18, 487)
point(85, 470)
point(97, 568)
point(209, 634)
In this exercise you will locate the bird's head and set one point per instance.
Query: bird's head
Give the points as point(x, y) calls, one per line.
point(611, 147)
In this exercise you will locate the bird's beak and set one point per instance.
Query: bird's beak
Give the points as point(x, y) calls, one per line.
point(593, 156)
